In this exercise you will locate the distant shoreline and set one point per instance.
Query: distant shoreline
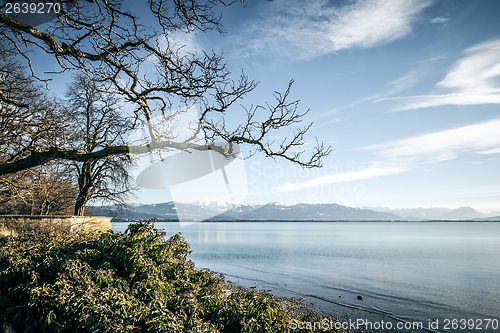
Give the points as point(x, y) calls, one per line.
point(308, 221)
point(275, 212)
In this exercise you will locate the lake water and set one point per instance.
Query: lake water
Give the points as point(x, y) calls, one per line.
point(427, 272)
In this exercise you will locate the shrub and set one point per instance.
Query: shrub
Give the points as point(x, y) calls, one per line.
point(136, 281)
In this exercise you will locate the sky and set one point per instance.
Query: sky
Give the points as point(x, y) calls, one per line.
point(407, 94)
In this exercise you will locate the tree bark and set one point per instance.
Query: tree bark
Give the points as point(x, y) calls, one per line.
point(84, 185)
point(37, 158)
point(81, 200)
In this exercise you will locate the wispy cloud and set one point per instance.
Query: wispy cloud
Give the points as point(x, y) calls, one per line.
point(398, 85)
point(440, 20)
point(376, 170)
point(490, 151)
point(307, 29)
point(472, 80)
point(407, 81)
point(432, 59)
point(186, 43)
point(445, 145)
point(409, 154)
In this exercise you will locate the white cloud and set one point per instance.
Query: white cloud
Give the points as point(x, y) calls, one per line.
point(464, 98)
point(398, 85)
point(440, 20)
point(472, 80)
point(300, 29)
point(407, 81)
point(185, 42)
point(408, 154)
point(477, 71)
point(490, 151)
point(376, 170)
point(369, 23)
point(445, 145)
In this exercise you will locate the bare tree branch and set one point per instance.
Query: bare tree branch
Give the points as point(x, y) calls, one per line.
point(108, 43)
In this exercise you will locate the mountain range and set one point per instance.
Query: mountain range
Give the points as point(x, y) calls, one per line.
point(221, 211)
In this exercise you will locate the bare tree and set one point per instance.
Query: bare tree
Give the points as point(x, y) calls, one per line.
point(52, 190)
point(96, 121)
point(44, 190)
point(30, 124)
point(106, 41)
point(29, 120)
point(12, 191)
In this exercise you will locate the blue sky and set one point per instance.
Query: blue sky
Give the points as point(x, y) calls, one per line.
point(407, 93)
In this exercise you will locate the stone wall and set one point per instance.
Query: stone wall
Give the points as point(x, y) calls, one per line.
point(14, 224)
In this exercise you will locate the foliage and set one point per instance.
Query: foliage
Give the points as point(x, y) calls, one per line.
point(123, 282)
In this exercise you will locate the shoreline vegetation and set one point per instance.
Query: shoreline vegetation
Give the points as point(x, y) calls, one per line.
point(137, 281)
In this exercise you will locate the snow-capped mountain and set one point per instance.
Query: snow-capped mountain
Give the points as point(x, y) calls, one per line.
point(461, 213)
point(227, 212)
point(222, 211)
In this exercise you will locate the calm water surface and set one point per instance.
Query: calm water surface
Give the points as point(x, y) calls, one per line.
point(406, 271)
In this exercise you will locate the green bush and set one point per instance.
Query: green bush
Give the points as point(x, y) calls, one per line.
point(136, 281)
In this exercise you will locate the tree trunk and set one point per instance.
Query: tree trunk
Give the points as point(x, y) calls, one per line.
point(80, 205)
point(84, 186)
